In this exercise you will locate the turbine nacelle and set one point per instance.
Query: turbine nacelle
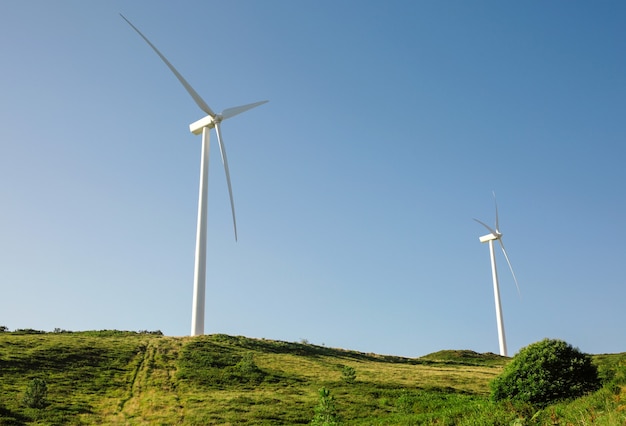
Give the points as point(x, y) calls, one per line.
point(212, 119)
point(494, 234)
point(197, 126)
point(489, 237)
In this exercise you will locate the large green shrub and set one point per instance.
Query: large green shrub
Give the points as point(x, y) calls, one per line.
point(544, 372)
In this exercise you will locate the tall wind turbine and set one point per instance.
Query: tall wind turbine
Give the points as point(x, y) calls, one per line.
point(496, 235)
point(203, 126)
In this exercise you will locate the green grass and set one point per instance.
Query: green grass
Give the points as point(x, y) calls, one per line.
point(129, 378)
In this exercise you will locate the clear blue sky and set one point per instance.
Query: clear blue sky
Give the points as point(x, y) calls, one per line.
point(388, 128)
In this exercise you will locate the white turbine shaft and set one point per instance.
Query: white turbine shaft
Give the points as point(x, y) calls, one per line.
point(496, 295)
point(199, 273)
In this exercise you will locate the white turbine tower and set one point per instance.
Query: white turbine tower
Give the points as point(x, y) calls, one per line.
point(204, 125)
point(496, 235)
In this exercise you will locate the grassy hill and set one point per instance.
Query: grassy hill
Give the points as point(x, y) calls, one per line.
point(112, 377)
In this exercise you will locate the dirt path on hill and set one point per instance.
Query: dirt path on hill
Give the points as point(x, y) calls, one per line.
point(152, 392)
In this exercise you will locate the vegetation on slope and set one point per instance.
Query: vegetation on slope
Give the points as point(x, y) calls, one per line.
point(546, 372)
point(143, 378)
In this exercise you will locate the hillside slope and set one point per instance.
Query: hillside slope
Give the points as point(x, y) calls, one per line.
point(130, 378)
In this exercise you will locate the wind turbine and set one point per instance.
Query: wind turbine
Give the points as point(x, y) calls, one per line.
point(496, 235)
point(203, 126)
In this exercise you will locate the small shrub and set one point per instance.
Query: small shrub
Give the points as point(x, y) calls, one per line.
point(545, 372)
point(348, 374)
point(405, 402)
point(615, 375)
point(247, 365)
point(4, 329)
point(36, 394)
point(325, 411)
point(246, 370)
point(28, 331)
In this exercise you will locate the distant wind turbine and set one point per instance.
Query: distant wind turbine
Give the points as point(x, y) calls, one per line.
point(204, 125)
point(495, 234)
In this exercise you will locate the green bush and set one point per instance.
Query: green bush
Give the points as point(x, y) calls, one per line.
point(348, 374)
point(325, 411)
point(246, 370)
point(36, 394)
point(28, 331)
point(207, 364)
point(544, 372)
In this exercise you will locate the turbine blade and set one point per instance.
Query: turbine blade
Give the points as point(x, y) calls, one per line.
point(506, 256)
point(495, 234)
point(496, 204)
point(225, 162)
point(231, 112)
point(199, 101)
